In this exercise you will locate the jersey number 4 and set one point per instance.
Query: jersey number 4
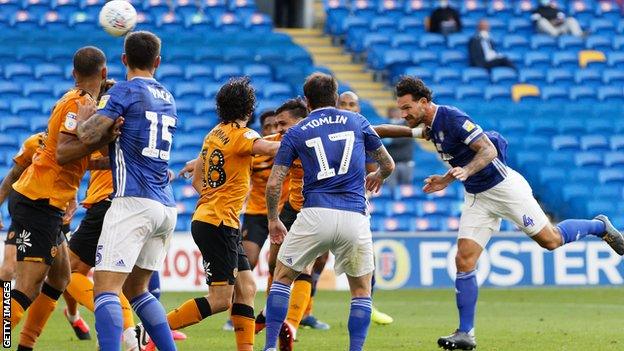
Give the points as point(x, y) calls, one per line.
point(321, 156)
point(153, 149)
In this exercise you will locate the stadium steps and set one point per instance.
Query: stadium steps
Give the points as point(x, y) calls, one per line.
point(340, 63)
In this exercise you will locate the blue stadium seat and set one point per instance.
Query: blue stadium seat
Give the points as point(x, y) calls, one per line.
point(617, 142)
point(411, 25)
point(570, 126)
point(531, 76)
point(410, 192)
point(188, 90)
point(382, 25)
point(582, 175)
point(205, 107)
point(588, 159)
point(237, 55)
point(198, 123)
point(565, 59)
point(582, 94)
point(503, 75)
point(512, 126)
point(613, 76)
point(603, 126)
point(38, 124)
point(420, 72)
point(543, 42)
point(179, 55)
point(48, 72)
point(454, 58)
point(608, 191)
point(565, 142)
point(515, 42)
point(536, 59)
point(259, 73)
point(12, 125)
point(214, 8)
point(397, 224)
point(211, 89)
point(554, 94)
point(81, 21)
point(195, 22)
point(598, 42)
point(297, 55)
point(432, 41)
point(612, 94)
point(186, 7)
point(396, 208)
point(497, 93)
point(575, 192)
point(519, 25)
point(614, 159)
point(224, 72)
point(24, 107)
point(258, 23)
point(458, 40)
point(198, 73)
point(594, 142)
point(169, 72)
point(277, 91)
point(425, 58)
point(228, 23)
point(570, 42)
point(469, 93)
point(184, 107)
point(609, 175)
point(59, 89)
point(617, 42)
point(8, 143)
point(446, 76)
point(616, 59)
point(17, 71)
point(601, 26)
point(588, 76)
point(38, 91)
point(24, 21)
point(429, 224)
point(475, 75)
point(529, 159)
point(10, 90)
point(552, 175)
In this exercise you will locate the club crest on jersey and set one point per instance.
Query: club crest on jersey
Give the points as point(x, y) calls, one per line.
point(468, 126)
point(527, 221)
point(70, 121)
point(252, 134)
point(103, 102)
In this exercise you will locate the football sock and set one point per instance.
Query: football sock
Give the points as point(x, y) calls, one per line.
point(308, 310)
point(359, 320)
point(244, 324)
point(276, 309)
point(38, 315)
point(576, 229)
point(81, 289)
point(154, 285)
point(466, 292)
point(189, 313)
point(19, 303)
point(299, 298)
point(108, 321)
point(154, 319)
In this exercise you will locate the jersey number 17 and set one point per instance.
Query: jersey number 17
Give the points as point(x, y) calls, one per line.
point(321, 156)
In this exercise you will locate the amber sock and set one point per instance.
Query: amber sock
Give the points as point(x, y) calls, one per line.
point(299, 297)
point(189, 313)
point(38, 315)
point(244, 324)
point(19, 303)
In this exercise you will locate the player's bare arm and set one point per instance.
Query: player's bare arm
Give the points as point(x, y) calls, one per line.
point(98, 130)
point(265, 147)
point(386, 166)
point(394, 131)
point(69, 148)
point(486, 152)
point(188, 170)
point(277, 230)
point(437, 182)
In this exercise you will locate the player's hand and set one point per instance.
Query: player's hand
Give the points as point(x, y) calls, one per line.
point(85, 111)
point(187, 171)
point(374, 181)
point(277, 231)
point(116, 128)
point(435, 183)
point(72, 206)
point(459, 173)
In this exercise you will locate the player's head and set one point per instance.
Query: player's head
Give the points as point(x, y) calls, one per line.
point(413, 99)
point(349, 101)
point(320, 90)
point(289, 114)
point(141, 51)
point(236, 100)
point(267, 122)
point(89, 64)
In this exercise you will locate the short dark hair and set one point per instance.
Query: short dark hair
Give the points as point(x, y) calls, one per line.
point(142, 48)
point(321, 90)
point(414, 86)
point(296, 107)
point(266, 114)
point(88, 61)
point(236, 100)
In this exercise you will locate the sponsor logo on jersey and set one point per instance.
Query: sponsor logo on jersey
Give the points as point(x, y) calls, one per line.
point(252, 134)
point(70, 121)
point(103, 101)
point(468, 126)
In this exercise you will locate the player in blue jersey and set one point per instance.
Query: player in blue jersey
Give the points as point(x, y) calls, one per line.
point(332, 146)
point(138, 226)
point(493, 191)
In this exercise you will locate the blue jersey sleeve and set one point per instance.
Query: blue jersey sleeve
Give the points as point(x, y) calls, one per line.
point(372, 141)
point(115, 102)
point(286, 153)
point(464, 129)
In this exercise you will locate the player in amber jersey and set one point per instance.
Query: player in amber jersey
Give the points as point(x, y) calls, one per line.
point(21, 161)
point(222, 176)
point(40, 196)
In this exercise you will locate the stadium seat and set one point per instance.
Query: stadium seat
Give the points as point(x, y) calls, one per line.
point(38, 91)
point(608, 176)
point(543, 42)
point(425, 58)
point(224, 72)
point(11, 125)
point(531, 76)
point(48, 72)
point(565, 59)
point(445, 76)
point(422, 73)
point(582, 94)
point(588, 159)
point(594, 143)
point(188, 90)
point(565, 142)
point(612, 94)
point(38, 124)
point(519, 25)
point(525, 92)
point(614, 159)
point(277, 91)
point(588, 76)
point(616, 60)
point(617, 142)
point(24, 107)
point(454, 58)
point(587, 57)
point(10, 90)
point(411, 25)
point(497, 93)
point(503, 75)
point(228, 22)
point(613, 76)
point(570, 126)
point(554, 94)
point(205, 107)
point(475, 75)
point(198, 123)
point(534, 59)
point(570, 42)
point(458, 40)
point(469, 93)
point(515, 42)
point(575, 192)
point(198, 73)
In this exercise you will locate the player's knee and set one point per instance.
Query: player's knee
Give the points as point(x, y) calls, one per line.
point(465, 263)
point(549, 238)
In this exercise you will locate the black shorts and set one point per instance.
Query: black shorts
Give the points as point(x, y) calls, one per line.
point(37, 226)
point(222, 250)
point(288, 215)
point(10, 238)
point(255, 228)
point(85, 239)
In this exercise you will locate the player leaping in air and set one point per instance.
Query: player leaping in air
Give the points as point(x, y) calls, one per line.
point(331, 145)
point(139, 224)
point(493, 191)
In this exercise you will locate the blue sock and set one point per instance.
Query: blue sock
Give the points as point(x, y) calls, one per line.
point(359, 320)
point(576, 229)
point(276, 310)
point(154, 285)
point(108, 321)
point(466, 295)
point(154, 320)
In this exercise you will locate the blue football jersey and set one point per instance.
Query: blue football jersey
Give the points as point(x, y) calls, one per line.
point(331, 145)
point(452, 132)
point(140, 156)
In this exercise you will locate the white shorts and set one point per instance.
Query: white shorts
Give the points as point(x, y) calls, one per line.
point(136, 231)
point(318, 230)
point(510, 199)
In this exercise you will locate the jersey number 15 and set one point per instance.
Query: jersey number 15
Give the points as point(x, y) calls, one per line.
point(321, 156)
point(162, 150)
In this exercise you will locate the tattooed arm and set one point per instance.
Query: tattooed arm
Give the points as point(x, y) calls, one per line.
point(386, 166)
point(486, 152)
point(277, 230)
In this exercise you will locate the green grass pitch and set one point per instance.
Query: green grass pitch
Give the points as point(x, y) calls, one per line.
point(507, 319)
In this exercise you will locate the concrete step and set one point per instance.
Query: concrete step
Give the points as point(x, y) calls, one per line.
point(351, 68)
point(324, 50)
point(354, 76)
point(328, 59)
point(368, 85)
point(375, 94)
point(301, 32)
point(313, 41)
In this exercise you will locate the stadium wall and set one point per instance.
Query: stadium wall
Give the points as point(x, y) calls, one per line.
point(426, 260)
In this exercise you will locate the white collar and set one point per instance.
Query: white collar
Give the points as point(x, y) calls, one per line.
point(434, 114)
point(146, 78)
point(322, 108)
